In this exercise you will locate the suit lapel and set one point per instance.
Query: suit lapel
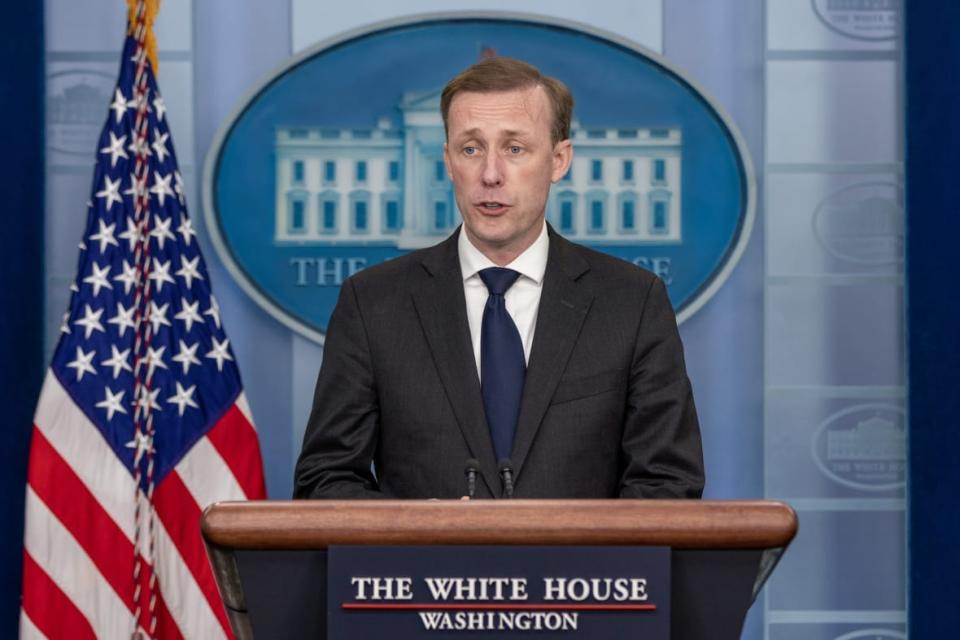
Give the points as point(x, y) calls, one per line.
point(442, 309)
point(563, 307)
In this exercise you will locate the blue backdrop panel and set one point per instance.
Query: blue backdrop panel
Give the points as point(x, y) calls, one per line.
point(21, 282)
point(933, 316)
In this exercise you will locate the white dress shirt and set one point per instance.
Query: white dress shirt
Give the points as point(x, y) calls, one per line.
point(522, 299)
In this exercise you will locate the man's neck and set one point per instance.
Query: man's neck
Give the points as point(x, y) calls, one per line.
point(501, 256)
point(505, 257)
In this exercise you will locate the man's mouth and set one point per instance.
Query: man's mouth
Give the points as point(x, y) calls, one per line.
point(491, 206)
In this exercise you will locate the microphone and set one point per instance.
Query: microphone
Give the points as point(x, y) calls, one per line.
point(473, 465)
point(506, 477)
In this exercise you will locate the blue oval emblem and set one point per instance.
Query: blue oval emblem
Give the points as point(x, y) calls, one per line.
point(862, 223)
point(873, 20)
point(75, 98)
point(335, 162)
point(863, 447)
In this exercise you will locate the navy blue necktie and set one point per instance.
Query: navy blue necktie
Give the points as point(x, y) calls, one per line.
point(502, 365)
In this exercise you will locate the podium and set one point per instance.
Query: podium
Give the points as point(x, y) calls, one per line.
point(269, 557)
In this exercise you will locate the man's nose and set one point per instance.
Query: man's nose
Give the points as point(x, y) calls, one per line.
point(492, 171)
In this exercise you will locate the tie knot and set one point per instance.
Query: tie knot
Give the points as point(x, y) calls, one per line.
point(498, 279)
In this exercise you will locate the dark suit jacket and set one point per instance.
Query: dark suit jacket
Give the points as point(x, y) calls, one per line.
point(607, 408)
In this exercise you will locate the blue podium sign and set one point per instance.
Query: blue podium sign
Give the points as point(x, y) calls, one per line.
point(407, 592)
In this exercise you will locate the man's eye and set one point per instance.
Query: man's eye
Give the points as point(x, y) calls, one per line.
point(470, 151)
point(515, 150)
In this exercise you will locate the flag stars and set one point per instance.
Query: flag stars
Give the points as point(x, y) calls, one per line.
point(105, 235)
point(178, 187)
point(83, 363)
point(186, 229)
point(160, 107)
point(153, 360)
point(119, 105)
point(132, 235)
point(183, 398)
point(98, 278)
point(110, 191)
point(115, 149)
point(187, 356)
point(90, 321)
point(118, 361)
point(219, 352)
point(129, 278)
point(160, 145)
point(142, 441)
point(160, 274)
point(139, 146)
point(128, 256)
point(161, 230)
point(161, 186)
point(157, 316)
point(141, 99)
point(188, 270)
point(138, 187)
point(213, 311)
point(145, 403)
point(112, 403)
point(128, 259)
point(188, 313)
point(124, 319)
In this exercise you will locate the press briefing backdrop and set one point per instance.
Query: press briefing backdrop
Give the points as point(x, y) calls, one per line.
point(797, 360)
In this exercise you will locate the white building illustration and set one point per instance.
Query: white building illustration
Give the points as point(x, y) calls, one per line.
point(872, 439)
point(388, 186)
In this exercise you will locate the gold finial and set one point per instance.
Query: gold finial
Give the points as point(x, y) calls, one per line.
point(150, 10)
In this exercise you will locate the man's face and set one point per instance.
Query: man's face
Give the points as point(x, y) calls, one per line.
point(501, 161)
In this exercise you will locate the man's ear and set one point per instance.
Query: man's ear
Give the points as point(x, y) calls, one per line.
point(562, 157)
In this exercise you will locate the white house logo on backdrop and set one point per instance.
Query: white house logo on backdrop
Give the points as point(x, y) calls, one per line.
point(75, 110)
point(383, 185)
point(862, 223)
point(860, 19)
point(336, 162)
point(863, 447)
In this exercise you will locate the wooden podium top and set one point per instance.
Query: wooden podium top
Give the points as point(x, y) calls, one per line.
point(682, 524)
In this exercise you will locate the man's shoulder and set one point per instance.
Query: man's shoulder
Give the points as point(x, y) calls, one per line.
point(602, 267)
point(402, 271)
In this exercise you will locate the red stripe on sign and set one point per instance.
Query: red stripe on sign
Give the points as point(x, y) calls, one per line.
point(69, 499)
point(436, 606)
point(49, 608)
point(236, 441)
point(181, 517)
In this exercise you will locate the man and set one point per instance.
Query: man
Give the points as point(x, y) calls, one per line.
point(505, 343)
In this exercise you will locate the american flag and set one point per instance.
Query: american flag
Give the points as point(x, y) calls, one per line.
point(142, 420)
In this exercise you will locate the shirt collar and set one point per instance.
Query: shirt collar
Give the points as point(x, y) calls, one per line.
point(532, 263)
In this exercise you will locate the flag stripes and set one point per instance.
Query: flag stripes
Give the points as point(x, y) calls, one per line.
point(234, 438)
point(73, 573)
point(70, 510)
point(142, 421)
point(180, 516)
point(47, 603)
